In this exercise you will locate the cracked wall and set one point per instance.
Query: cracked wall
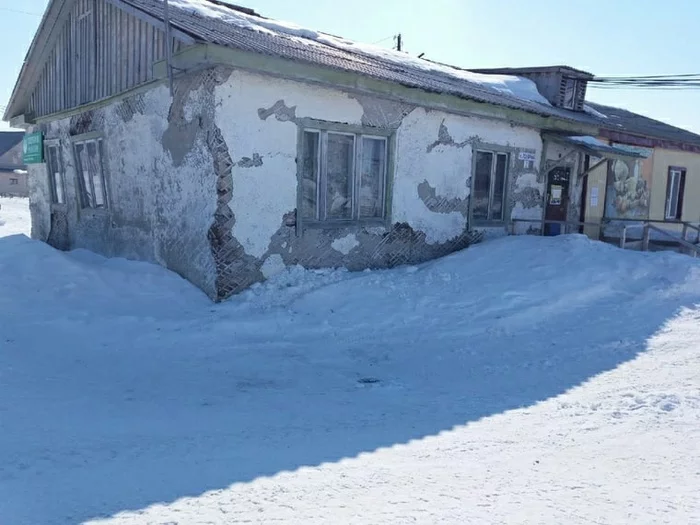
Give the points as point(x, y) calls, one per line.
point(205, 182)
point(161, 199)
point(259, 118)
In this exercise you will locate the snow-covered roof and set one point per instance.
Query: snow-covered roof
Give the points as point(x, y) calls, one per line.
point(509, 85)
point(218, 23)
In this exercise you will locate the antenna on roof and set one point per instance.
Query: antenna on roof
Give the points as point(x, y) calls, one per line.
point(421, 55)
point(399, 42)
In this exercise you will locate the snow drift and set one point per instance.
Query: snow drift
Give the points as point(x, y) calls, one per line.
point(548, 378)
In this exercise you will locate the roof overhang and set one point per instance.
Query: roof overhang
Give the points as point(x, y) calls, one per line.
point(56, 11)
point(593, 147)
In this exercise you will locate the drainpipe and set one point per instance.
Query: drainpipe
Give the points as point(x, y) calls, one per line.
point(168, 45)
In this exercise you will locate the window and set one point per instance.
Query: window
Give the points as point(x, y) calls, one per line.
point(54, 168)
point(488, 196)
point(88, 161)
point(675, 188)
point(342, 176)
point(14, 182)
point(569, 92)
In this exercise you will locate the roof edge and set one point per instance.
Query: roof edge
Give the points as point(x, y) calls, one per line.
point(52, 12)
point(571, 71)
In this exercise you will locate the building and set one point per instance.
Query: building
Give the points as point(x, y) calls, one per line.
point(227, 146)
point(663, 187)
point(13, 172)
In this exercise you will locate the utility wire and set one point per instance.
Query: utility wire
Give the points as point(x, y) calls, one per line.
point(19, 11)
point(685, 75)
point(383, 39)
point(680, 81)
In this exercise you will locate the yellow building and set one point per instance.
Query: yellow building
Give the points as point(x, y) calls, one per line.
point(663, 186)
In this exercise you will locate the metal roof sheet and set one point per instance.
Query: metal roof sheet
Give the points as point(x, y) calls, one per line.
point(623, 120)
point(221, 32)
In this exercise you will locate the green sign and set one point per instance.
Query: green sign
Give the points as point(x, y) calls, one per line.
point(33, 148)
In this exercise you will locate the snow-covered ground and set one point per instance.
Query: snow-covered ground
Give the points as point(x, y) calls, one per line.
point(525, 380)
point(14, 216)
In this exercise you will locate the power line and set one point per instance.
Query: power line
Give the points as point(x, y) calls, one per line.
point(684, 75)
point(680, 81)
point(19, 11)
point(383, 39)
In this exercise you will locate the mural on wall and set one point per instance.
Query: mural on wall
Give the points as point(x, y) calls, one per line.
point(627, 195)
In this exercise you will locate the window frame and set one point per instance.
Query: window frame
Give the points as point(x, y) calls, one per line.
point(681, 172)
point(84, 139)
point(494, 150)
point(55, 143)
point(323, 128)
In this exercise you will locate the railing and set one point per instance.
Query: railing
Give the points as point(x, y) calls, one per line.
point(647, 226)
point(693, 249)
point(639, 223)
point(543, 223)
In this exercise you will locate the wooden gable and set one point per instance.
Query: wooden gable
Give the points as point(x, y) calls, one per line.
point(100, 49)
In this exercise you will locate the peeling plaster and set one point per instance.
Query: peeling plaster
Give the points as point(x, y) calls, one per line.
point(273, 265)
point(345, 244)
point(445, 139)
point(380, 113)
point(181, 199)
point(245, 102)
point(280, 111)
point(527, 180)
point(160, 202)
point(247, 162)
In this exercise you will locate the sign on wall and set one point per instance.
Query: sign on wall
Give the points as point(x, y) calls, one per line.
point(33, 148)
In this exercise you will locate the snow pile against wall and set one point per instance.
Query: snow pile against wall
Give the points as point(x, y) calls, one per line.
point(160, 201)
point(205, 182)
point(487, 383)
point(512, 86)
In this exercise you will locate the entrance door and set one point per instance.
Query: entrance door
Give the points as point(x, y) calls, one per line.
point(557, 199)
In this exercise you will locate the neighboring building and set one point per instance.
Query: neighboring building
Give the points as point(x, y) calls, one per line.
point(278, 146)
point(13, 172)
point(664, 186)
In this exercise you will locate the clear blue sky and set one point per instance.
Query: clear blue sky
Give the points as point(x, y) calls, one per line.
point(604, 37)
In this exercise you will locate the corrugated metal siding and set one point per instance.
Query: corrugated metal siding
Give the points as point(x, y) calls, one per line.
point(100, 52)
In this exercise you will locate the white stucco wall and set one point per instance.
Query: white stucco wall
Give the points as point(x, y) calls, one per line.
point(263, 194)
point(157, 211)
point(447, 168)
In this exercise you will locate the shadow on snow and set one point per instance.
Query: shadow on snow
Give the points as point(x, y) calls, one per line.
point(141, 411)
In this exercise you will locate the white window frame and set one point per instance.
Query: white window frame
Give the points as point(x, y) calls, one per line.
point(89, 202)
point(55, 144)
point(320, 218)
point(674, 204)
point(492, 178)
